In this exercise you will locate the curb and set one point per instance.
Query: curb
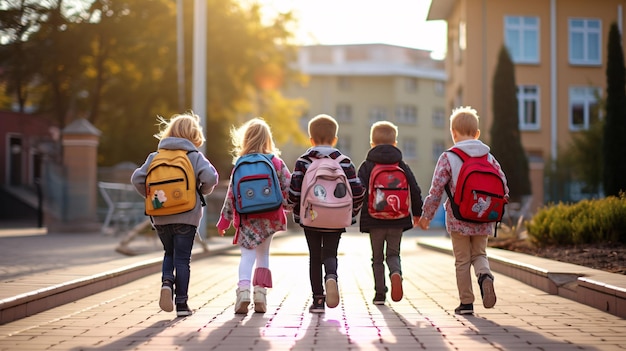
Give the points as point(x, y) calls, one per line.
point(595, 288)
point(28, 304)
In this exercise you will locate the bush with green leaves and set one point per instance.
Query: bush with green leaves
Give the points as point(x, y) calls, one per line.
point(584, 222)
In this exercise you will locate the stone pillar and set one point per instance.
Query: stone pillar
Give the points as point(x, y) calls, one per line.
point(80, 141)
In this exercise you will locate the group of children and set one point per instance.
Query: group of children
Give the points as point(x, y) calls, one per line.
point(254, 231)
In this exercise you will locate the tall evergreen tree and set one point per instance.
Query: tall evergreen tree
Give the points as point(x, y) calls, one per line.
point(615, 123)
point(506, 144)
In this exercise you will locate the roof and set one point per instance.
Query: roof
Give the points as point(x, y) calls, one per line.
point(440, 9)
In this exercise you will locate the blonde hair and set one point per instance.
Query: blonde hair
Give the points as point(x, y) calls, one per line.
point(323, 129)
point(185, 125)
point(464, 120)
point(383, 132)
point(254, 136)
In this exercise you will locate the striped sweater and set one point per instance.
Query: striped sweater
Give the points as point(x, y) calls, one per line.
point(302, 164)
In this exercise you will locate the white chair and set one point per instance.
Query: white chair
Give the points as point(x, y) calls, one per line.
point(125, 205)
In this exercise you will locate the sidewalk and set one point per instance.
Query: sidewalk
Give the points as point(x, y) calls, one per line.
point(126, 317)
point(39, 271)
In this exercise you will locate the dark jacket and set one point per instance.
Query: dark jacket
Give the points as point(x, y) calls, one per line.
point(388, 154)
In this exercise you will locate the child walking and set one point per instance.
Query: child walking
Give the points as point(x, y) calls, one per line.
point(177, 231)
point(469, 240)
point(322, 242)
point(387, 228)
point(254, 231)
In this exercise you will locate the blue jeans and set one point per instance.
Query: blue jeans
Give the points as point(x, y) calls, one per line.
point(177, 242)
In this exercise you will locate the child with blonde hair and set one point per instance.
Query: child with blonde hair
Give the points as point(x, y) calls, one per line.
point(177, 231)
point(469, 240)
point(254, 231)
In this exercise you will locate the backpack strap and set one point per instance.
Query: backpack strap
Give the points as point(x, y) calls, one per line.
point(463, 156)
point(202, 200)
point(460, 153)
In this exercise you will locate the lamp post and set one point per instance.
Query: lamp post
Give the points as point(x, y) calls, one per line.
point(199, 75)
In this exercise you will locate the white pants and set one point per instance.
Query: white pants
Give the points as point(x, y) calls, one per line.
point(260, 254)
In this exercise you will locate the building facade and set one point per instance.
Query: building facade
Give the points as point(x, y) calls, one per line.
point(559, 48)
point(364, 83)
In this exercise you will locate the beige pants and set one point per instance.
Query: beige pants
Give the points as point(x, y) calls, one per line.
point(469, 251)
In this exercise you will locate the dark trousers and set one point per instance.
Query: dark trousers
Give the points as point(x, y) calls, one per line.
point(322, 250)
point(389, 254)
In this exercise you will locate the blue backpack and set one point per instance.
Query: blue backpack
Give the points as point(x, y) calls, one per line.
point(255, 184)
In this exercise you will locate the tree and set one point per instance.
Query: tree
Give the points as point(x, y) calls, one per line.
point(114, 63)
point(19, 21)
point(615, 120)
point(506, 144)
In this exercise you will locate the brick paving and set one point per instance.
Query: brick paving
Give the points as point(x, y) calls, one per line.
point(127, 317)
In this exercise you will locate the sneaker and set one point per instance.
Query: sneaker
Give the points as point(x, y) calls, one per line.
point(166, 301)
point(396, 287)
point(488, 293)
point(260, 302)
point(465, 308)
point(332, 293)
point(318, 304)
point(379, 299)
point(182, 310)
point(243, 300)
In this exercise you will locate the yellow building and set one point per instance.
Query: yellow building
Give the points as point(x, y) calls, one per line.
point(559, 48)
point(364, 83)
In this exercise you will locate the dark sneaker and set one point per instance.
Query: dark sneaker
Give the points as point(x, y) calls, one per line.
point(166, 301)
point(465, 308)
point(318, 304)
point(488, 293)
point(396, 287)
point(183, 310)
point(379, 299)
point(332, 292)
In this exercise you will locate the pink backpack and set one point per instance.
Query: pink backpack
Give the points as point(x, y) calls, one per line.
point(326, 196)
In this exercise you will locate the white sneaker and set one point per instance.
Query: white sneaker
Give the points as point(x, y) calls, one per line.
point(260, 301)
point(332, 293)
point(243, 300)
point(166, 301)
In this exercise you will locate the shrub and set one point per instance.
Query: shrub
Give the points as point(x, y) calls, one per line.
point(588, 221)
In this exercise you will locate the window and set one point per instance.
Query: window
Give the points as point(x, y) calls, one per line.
point(410, 84)
point(344, 144)
point(583, 106)
point(439, 147)
point(344, 83)
point(406, 114)
point(585, 41)
point(528, 108)
point(439, 118)
point(440, 88)
point(377, 113)
point(409, 148)
point(343, 113)
point(521, 35)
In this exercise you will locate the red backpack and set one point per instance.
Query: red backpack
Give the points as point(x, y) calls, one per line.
point(389, 196)
point(479, 193)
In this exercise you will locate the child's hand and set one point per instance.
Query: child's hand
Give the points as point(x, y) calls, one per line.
point(221, 232)
point(416, 220)
point(424, 223)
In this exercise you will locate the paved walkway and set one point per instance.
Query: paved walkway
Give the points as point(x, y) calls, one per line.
point(127, 317)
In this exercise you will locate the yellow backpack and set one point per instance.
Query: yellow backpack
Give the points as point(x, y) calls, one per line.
point(171, 184)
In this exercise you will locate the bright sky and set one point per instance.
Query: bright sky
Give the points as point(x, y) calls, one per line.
point(394, 22)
